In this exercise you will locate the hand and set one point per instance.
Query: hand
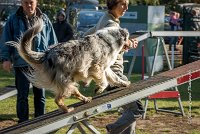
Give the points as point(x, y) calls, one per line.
point(7, 65)
point(134, 43)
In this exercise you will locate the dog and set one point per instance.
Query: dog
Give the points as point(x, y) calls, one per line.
point(63, 65)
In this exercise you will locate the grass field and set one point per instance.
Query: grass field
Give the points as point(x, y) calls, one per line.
point(8, 110)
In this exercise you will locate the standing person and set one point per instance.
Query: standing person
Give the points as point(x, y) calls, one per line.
point(63, 30)
point(174, 23)
point(25, 17)
point(126, 123)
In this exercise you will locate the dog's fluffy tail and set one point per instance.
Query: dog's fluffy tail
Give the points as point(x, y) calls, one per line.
point(25, 44)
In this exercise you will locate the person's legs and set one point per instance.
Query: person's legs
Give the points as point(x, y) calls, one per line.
point(173, 41)
point(22, 85)
point(124, 123)
point(130, 129)
point(127, 122)
point(39, 101)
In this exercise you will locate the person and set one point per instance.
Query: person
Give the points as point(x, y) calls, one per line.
point(63, 30)
point(25, 17)
point(127, 122)
point(174, 24)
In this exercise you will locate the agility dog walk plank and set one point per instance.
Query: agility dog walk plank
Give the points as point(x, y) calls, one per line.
point(8, 91)
point(109, 100)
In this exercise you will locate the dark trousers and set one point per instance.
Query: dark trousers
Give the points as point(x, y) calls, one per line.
point(173, 41)
point(127, 122)
point(22, 85)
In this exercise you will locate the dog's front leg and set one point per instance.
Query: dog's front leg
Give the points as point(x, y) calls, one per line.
point(59, 100)
point(115, 80)
point(101, 83)
point(99, 77)
point(81, 97)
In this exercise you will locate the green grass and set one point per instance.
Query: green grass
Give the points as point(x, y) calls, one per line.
point(8, 106)
point(6, 78)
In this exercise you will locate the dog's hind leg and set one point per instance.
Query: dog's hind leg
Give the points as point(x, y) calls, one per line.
point(115, 80)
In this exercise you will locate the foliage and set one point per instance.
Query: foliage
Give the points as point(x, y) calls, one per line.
point(6, 78)
point(144, 2)
point(137, 2)
point(156, 2)
point(102, 1)
point(50, 7)
point(169, 4)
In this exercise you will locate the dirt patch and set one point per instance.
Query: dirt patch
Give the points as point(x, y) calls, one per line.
point(7, 123)
point(168, 123)
point(155, 124)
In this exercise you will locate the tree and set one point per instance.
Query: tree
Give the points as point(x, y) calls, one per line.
point(50, 7)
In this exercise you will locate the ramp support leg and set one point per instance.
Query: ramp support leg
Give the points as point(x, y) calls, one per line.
point(90, 127)
point(152, 73)
point(81, 129)
point(169, 111)
point(155, 105)
point(72, 128)
point(145, 108)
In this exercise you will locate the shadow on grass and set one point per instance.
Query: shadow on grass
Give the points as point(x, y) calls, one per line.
point(7, 117)
point(195, 91)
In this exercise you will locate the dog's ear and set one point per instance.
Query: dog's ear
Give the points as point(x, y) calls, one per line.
point(124, 32)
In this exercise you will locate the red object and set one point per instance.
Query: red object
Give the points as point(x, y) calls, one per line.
point(165, 95)
point(185, 78)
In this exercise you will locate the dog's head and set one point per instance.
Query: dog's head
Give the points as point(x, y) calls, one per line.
point(114, 35)
point(124, 34)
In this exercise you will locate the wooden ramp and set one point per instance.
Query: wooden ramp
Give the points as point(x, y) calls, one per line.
point(107, 101)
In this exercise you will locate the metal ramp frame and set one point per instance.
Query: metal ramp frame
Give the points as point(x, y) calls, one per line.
point(8, 91)
point(86, 124)
point(174, 93)
point(107, 101)
point(171, 93)
point(164, 95)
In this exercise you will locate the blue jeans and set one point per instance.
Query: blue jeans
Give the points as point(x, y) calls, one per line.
point(173, 41)
point(22, 85)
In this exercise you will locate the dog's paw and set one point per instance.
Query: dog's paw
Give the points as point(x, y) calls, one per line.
point(70, 109)
point(98, 90)
point(127, 83)
point(87, 99)
point(66, 109)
